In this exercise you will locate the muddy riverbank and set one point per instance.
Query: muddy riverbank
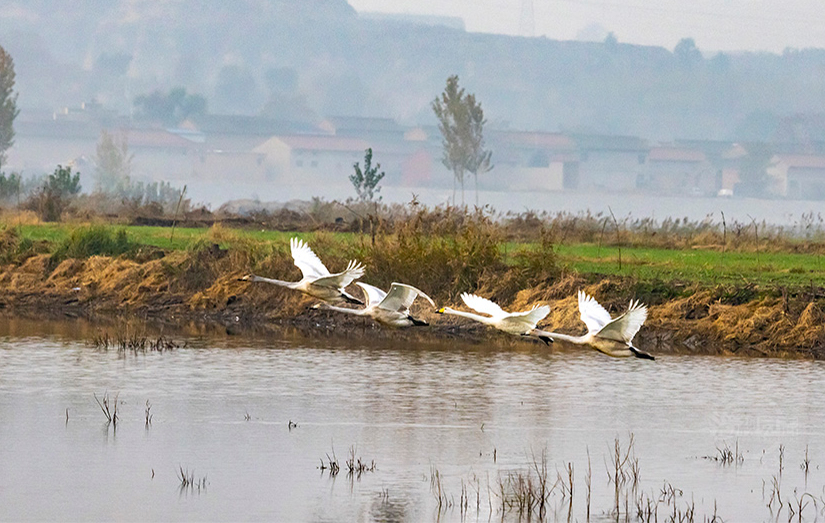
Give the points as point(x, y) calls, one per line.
point(203, 287)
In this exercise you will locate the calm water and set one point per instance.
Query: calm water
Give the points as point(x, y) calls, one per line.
point(476, 415)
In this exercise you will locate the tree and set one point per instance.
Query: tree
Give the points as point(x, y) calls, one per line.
point(113, 164)
point(366, 181)
point(8, 104)
point(171, 108)
point(461, 122)
point(687, 53)
point(753, 176)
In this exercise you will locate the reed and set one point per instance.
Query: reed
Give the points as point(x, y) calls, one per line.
point(331, 465)
point(188, 481)
point(437, 489)
point(527, 493)
point(726, 455)
point(356, 466)
point(109, 408)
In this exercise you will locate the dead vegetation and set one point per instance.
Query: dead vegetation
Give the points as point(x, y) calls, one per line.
point(446, 251)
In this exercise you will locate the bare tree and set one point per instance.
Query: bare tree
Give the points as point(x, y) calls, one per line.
point(461, 122)
point(8, 104)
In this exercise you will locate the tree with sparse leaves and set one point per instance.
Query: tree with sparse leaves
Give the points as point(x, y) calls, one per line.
point(366, 181)
point(8, 104)
point(461, 122)
point(113, 163)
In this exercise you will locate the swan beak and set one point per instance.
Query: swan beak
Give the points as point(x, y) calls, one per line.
point(245, 278)
point(441, 310)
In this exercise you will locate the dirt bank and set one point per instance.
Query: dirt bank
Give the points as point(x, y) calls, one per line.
point(204, 286)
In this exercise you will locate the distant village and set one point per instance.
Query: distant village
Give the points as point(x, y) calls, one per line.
point(217, 148)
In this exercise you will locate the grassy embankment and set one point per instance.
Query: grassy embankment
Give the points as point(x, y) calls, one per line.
point(710, 266)
point(710, 290)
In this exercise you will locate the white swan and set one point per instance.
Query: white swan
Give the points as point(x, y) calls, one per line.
point(613, 337)
point(519, 323)
point(389, 308)
point(317, 280)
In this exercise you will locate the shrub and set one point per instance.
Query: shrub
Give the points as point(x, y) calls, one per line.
point(51, 198)
point(93, 240)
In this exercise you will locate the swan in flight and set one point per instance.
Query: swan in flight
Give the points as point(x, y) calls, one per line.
point(317, 280)
point(389, 308)
point(612, 336)
point(519, 323)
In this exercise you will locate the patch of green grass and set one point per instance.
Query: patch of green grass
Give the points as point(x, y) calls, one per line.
point(696, 265)
point(94, 240)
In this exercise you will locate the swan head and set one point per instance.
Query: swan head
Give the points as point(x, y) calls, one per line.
point(442, 310)
point(321, 305)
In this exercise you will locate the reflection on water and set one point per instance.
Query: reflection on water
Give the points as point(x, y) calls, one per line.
point(475, 415)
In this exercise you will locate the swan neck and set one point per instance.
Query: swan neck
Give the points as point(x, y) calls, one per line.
point(273, 281)
point(357, 312)
point(470, 315)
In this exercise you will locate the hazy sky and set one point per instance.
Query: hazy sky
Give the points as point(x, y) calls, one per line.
point(726, 25)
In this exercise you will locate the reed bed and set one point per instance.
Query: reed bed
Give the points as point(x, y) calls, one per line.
point(133, 342)
point(539, 493)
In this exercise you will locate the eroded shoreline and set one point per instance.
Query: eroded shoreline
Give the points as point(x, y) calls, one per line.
point(204, 288)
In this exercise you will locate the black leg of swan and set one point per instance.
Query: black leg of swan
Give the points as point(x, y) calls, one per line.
point(641, 354)
point(546, 339)
point(417, 323)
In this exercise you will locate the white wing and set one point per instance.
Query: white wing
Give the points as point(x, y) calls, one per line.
point(534, 315)
point(625, 327)
point(306, 260)
point(483, 305)
point(401, 297)
point(374, 294)
point(341, 279)
point(593, 315)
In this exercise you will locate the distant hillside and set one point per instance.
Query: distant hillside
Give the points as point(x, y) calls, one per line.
point(303, 60)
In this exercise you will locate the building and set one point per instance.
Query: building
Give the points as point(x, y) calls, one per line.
point(797, 176)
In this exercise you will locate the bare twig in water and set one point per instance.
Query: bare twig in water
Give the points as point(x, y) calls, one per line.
point(356, 466)
point(331, 464)
point(188, 482)
point(109, 412)
point(727, 456)
point(805, 465)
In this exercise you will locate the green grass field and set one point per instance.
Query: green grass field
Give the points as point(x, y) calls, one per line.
point(644, 263)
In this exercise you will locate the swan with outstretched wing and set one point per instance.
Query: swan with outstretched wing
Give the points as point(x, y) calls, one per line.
point(611, 336)
point(317, 281)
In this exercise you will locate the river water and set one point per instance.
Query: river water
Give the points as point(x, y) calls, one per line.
point(451, 429)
